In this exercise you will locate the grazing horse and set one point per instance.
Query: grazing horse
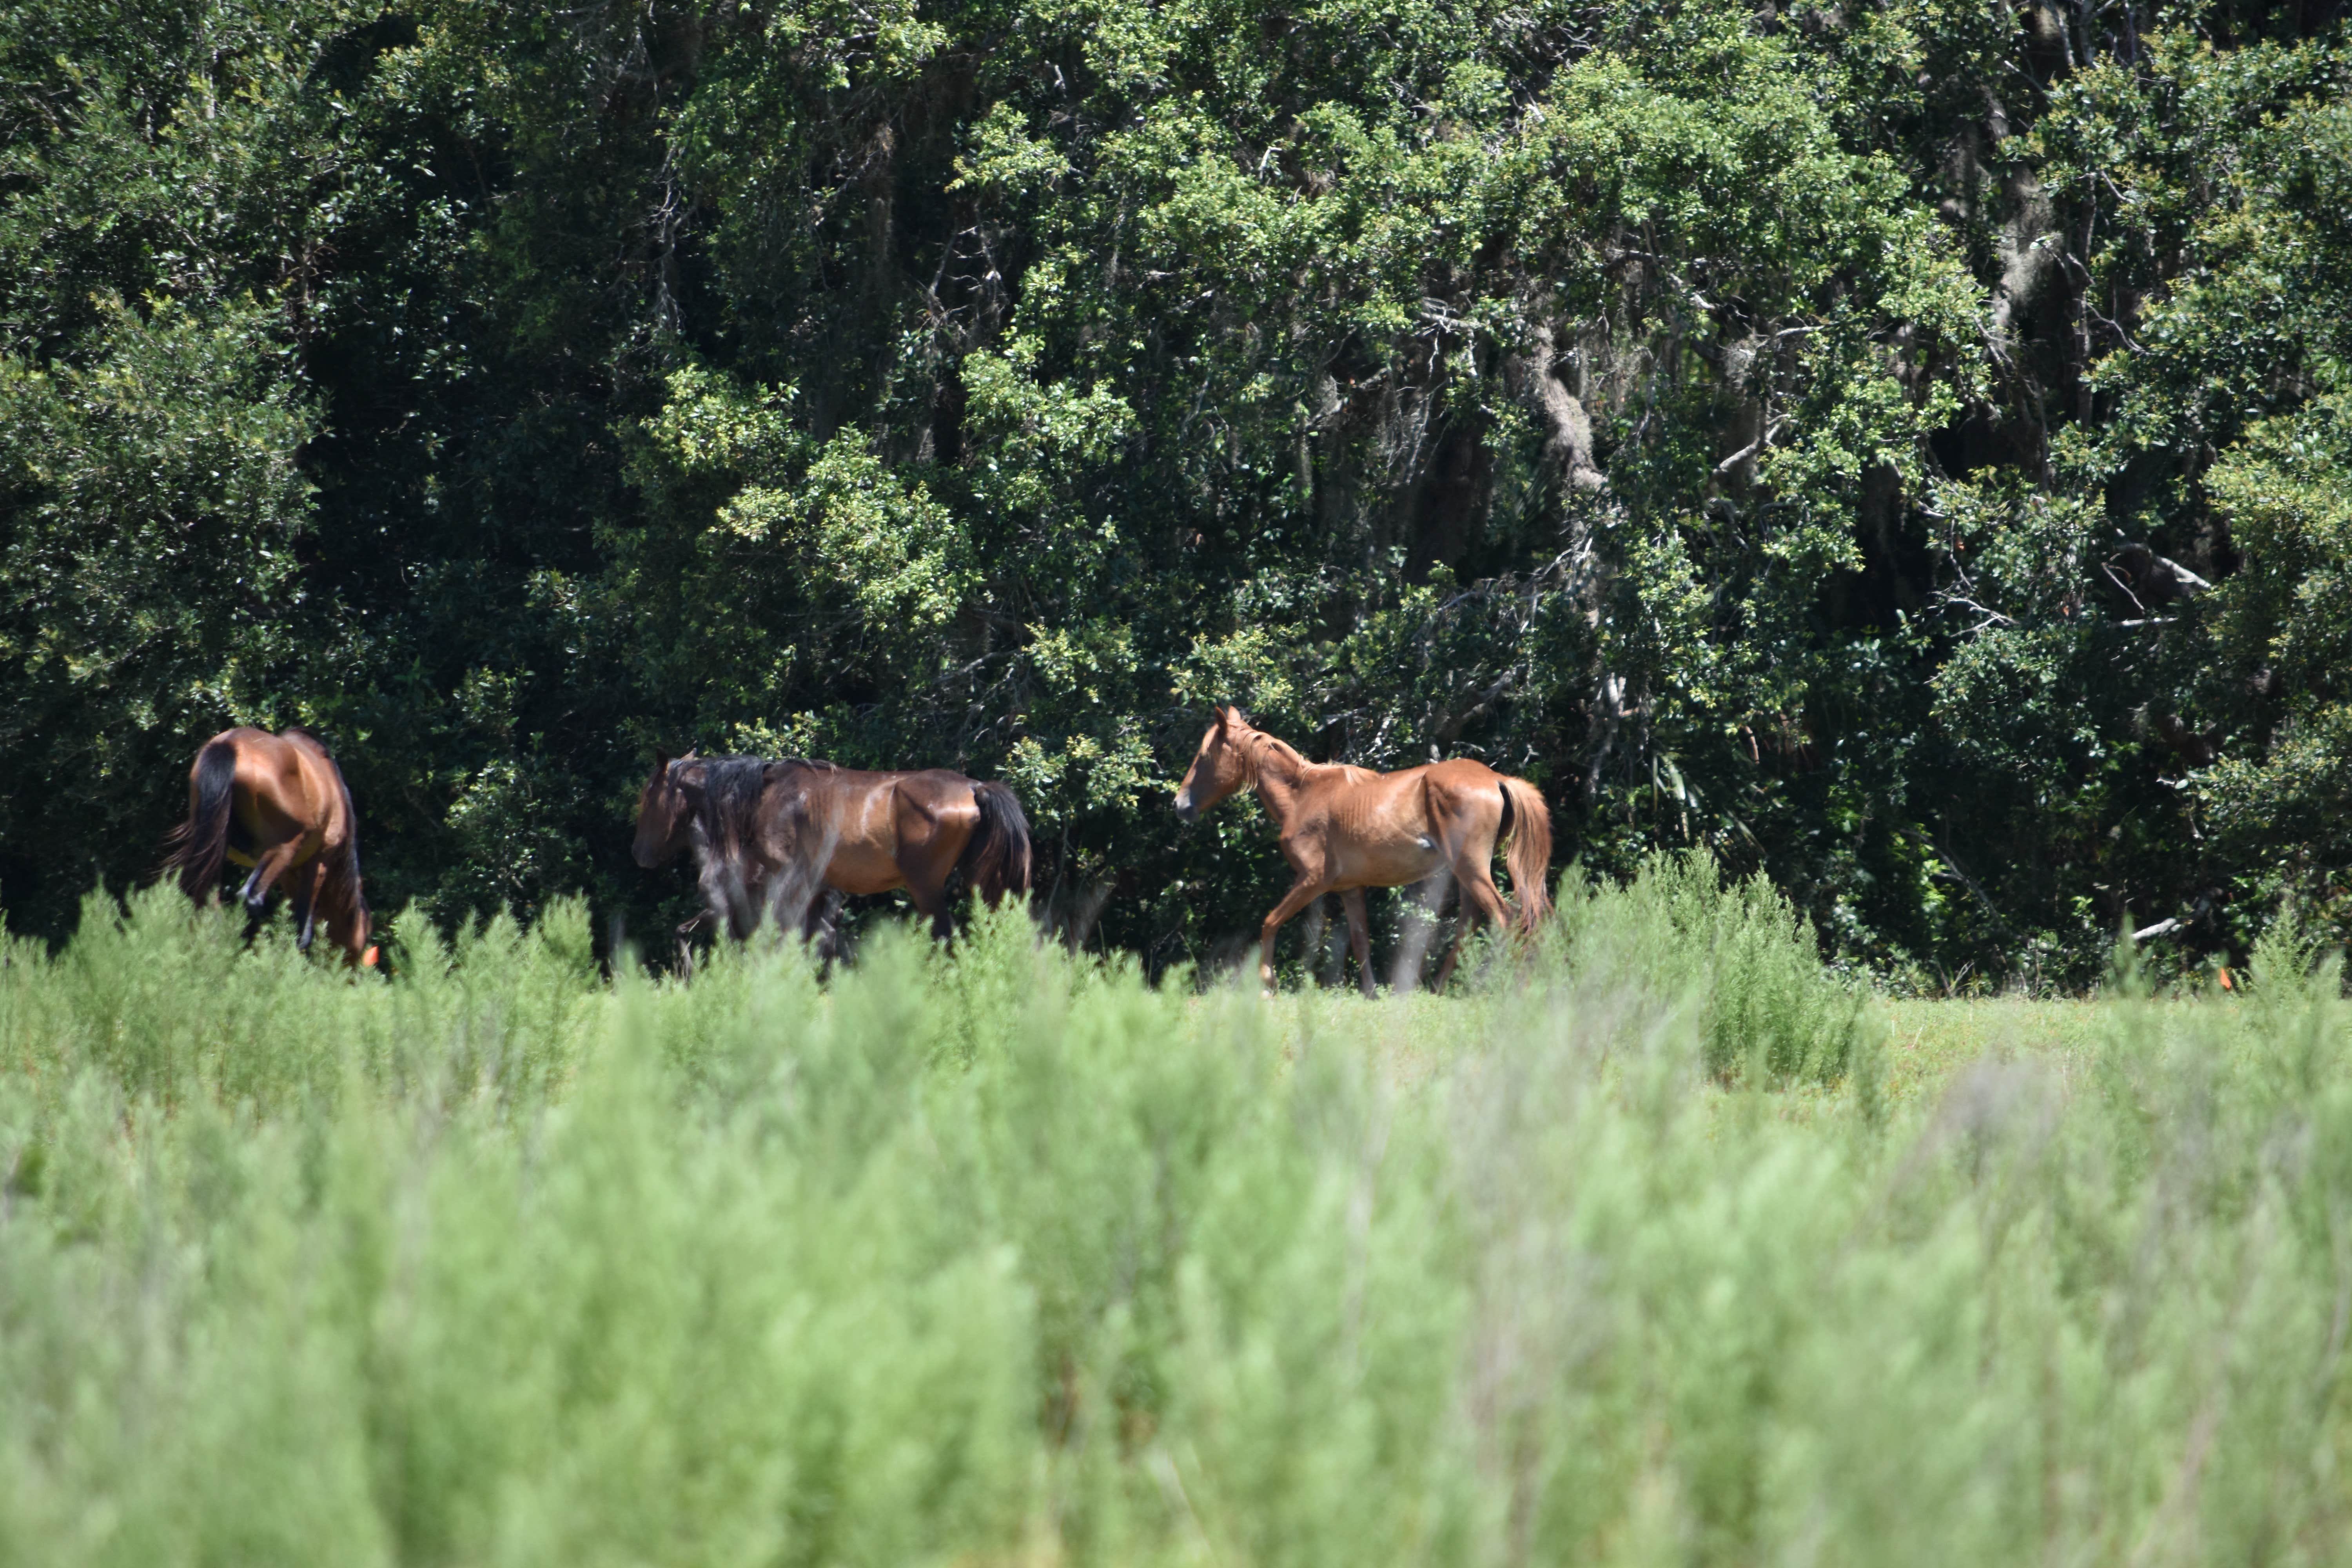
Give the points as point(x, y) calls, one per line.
point(1345, 829)
point(278, 803)
point(768, 835)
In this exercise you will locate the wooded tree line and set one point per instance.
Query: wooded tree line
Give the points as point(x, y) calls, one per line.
point(1906, 447)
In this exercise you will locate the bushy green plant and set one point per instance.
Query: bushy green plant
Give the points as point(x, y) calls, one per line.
point(995, 1254)
point(1735, 950)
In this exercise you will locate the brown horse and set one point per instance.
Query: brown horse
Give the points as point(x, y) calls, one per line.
point(768, 836)
point(278, 803)
point(1345, 829)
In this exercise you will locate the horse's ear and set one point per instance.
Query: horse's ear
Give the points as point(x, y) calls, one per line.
point(661, 759)
point(1224, 715)
point(689, 755)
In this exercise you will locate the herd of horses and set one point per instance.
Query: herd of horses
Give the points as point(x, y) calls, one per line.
point(785, 841)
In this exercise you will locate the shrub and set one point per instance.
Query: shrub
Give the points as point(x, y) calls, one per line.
point(997, 1253)
point(1739, 955)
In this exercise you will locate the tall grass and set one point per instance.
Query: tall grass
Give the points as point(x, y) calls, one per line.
point(1739, 954)
point(999, 1257)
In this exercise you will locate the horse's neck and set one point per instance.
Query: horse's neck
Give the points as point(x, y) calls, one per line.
point(1281, 774)
point(339, 899)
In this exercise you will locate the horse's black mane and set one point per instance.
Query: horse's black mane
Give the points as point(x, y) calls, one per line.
point(729, 803)
point(728, 800)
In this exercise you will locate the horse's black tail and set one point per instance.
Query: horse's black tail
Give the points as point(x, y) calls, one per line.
point(198, 847)
point(347, 867)
point(996, 861)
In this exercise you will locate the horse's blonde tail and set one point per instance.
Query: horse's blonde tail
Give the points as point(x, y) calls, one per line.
point(198, 847)
point(1528, 822)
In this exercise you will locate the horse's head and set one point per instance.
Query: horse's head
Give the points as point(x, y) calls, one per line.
point(1221, 766)
point(664, 813)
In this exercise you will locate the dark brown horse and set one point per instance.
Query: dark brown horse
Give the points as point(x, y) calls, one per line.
point(278, 803)
point(1345, 829)
point(768, 837)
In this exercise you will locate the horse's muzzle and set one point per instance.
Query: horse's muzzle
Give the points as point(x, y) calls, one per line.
point(1185, 810)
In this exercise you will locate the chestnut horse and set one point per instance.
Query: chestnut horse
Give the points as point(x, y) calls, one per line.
point(767, 835)
point(278, 803)
point(1346, 828)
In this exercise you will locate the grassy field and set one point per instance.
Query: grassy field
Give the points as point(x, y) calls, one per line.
point(1662, 1248)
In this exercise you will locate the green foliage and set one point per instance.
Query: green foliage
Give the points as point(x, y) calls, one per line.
point(1731, 418)
point(150, 586)
point(1003, 1255)
point(1745, 961)
point(2284, 491)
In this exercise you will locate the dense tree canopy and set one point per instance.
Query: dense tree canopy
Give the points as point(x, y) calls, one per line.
point(1903, 447)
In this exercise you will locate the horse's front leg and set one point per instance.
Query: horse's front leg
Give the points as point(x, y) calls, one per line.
point(749, 900)
point(305, 900)
point(726, 897)
point(1305, 891)
point(799, 899)
point(823, 926)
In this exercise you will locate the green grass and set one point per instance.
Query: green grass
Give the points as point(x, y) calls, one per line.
point(1656, 1248)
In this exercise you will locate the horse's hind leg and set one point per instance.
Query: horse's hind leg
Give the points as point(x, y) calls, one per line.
point(929, 844)
point(927, 886)
point(1479, 898)
point(1360, 938)
point(1422, 921)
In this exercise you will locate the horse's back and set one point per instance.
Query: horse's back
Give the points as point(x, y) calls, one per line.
point(939, 793)
point(1352, 786)
point(871, 819)
point(1412, 803)
point(240, 739)
point(289, 778)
